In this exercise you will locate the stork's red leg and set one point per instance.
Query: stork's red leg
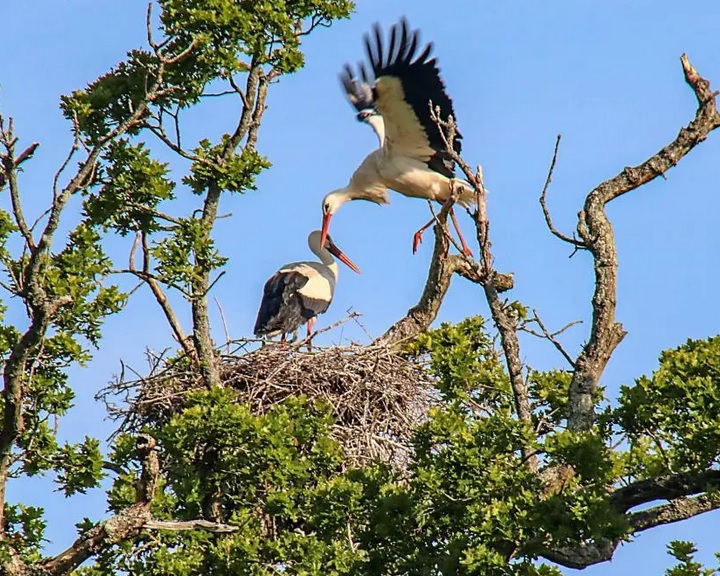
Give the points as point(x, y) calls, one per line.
point(310, 326)
point(283, 339)
point(465, 248)
point(417, 238)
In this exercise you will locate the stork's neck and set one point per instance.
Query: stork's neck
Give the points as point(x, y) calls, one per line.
point(333, 267)
point(326, 258)
point(322, 253)
point(352, 191)
point(328, 261)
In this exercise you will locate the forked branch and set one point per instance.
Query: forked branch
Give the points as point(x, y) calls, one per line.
point(442, 268)
point(687, 494)
point(596, 232)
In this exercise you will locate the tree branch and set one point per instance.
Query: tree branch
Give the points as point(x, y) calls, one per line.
point(199, 524)
point(589, 553)
point(596, 231)
point(674, 511)
point(442, 268)
point(543, 202)
point(545, 334)
point(502, 317)
point(688, 494)
point(248, 124)
point(41, 308)
point(664, 488)
point(10, 164)
point(123, 526)
point(162, 300)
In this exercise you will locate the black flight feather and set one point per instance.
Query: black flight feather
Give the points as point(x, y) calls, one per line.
point(421, 83)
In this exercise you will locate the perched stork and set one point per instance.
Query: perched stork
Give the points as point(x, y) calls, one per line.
point(412, 158)
point(299, 291)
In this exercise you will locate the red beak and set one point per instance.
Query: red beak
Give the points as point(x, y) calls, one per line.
point(340, 255)
point(325, 228)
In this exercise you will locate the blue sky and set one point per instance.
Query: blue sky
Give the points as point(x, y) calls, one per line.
point(605, 74)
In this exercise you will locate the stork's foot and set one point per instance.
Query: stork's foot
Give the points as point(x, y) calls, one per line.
point(417, 240)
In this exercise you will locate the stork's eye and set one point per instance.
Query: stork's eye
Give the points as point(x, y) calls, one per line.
point(326, 208)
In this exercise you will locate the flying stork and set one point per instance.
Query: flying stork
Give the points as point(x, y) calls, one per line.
point(412, 158)
point(299, 291)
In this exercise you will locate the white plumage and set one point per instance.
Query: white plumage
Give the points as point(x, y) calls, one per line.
point(412, 158)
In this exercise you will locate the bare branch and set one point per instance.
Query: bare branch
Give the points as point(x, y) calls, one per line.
point(543, 202)
point(73, 149)
point(596, 231)
point(27, 153)
point(112, 467)
point(161, 134)
point(674, 511)
point(133, 251)
point(664, 488)
point(551, 336)
point(148, 29)
point(224, 323)
point(161, 298)
point(442, 268)
point(9, 166)
point(504, 320)
point(217, 94)
point(239, 91)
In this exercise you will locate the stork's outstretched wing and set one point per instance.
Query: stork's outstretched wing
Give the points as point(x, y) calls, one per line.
point(360, 94)
point(405, 84)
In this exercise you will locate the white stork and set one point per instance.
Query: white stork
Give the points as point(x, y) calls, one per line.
point(412, 157)
point(299, 291)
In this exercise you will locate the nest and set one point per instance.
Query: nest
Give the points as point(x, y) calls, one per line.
point(377, 396)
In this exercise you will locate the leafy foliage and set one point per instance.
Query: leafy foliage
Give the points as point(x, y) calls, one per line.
point(133, 184)
point(684, 553)
point(269, 31)
point(674, 413)
point(275, 475)
point(25, 530)
point(236, 174)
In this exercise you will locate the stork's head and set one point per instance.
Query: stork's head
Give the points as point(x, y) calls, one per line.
point(331, 204)
point(366, 113)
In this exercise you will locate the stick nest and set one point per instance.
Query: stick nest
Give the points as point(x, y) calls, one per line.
point(377, 396)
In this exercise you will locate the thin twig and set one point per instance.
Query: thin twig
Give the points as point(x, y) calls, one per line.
point(224, 324)
point(551, 336)
point(543, 202)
